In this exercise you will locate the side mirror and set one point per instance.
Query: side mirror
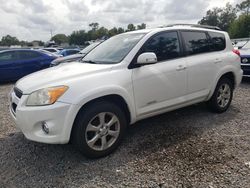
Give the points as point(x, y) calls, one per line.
point(147, 58)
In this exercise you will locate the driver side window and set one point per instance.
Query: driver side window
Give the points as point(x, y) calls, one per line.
point(164, 45)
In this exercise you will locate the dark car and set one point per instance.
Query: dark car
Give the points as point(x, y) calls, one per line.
point(17, 63)
point(75, 57)
point(245, 59)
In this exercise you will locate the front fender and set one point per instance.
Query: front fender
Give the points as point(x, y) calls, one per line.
point(104, 91)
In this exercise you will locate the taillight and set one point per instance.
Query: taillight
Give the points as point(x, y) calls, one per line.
point(236, 52)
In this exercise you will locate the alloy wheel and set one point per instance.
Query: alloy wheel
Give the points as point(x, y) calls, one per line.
point(102, 131)
point(224, 95)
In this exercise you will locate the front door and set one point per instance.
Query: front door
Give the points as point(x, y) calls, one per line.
point(161, 85)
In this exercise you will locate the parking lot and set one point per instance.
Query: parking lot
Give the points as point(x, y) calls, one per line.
point(190, 147)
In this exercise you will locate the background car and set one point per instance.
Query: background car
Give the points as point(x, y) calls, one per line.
point(75, 57)
point(15, 64)
point(67, 52)
point(239, 44)
point(245, 59)
point(52, 50)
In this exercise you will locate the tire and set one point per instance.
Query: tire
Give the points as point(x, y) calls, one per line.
point(96, 123)
point(222, 96)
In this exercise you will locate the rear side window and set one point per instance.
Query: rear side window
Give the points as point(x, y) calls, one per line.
point(218, 41)
point(28, 55)
point(51, 50)
point(165, 46)
point(195, 42)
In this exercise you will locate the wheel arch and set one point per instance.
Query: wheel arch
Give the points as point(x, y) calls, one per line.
point(112, 98)
point(227, 74)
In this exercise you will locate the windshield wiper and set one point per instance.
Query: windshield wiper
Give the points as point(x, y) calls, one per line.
point(89, 61)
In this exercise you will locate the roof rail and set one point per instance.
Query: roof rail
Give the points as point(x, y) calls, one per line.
point(196, 25)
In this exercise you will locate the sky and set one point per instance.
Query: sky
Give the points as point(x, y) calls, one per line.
point(35, 19)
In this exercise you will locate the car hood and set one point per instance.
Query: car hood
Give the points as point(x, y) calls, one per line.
point(244, 52)
point(58, 75)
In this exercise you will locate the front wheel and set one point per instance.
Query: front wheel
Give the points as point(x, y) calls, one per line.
point(222, 96)
point(99, 129)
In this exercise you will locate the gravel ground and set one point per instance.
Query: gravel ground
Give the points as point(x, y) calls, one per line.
point(190, 147)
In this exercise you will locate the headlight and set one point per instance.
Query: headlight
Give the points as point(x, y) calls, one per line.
point(46, 96)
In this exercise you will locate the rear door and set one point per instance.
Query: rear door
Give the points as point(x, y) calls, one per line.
point(201, 63)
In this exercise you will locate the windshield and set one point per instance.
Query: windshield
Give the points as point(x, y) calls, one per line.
point(247, 45)
point(88, 48)
point(240, 44)
point(114, 49)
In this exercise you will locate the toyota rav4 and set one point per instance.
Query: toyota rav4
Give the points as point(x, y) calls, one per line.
point(129, 77)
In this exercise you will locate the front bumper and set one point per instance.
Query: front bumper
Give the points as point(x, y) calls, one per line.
point(246, 69)
point(30, 120)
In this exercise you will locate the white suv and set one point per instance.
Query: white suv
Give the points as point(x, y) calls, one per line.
point(129, 77)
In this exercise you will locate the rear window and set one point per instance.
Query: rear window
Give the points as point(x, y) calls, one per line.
point(195, 42)
point(50, 50)
point(218, 41)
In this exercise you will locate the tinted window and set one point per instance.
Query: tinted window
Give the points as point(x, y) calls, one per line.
point(28, 54)
point(70, 52)
point(195, 42)
point(165, 46)
point(51, 50)
point(218, 41)
point(8, 56)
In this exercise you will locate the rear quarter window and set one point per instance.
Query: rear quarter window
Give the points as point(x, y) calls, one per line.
point(28, 55)
point(218, 41)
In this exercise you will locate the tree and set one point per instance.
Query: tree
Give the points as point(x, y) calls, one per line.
point(101, 32)
point(211, 18)
point(112, 32)
point(120, 30)
point(240, 28)
point(227, 17)
point(94, 26)
point(60, 38)
point(78, 37)
point(221, 17)
point(130, 27)
point(9, 40)
point(244, 7)
point(142, 26)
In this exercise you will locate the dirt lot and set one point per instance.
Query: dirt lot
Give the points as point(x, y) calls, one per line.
point(190, 147)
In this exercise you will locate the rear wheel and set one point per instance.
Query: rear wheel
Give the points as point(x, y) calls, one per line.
point(222, 97)
point(99, 129)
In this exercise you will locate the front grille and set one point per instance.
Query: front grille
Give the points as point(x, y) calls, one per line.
point(245, 60)
point(18, 92)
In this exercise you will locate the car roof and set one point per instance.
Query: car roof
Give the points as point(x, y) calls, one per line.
point(12, 50)
point(179, 27)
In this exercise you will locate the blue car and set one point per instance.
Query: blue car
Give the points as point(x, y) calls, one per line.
point(67, 52)
point(15, 64)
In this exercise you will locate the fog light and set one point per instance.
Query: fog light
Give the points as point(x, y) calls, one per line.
point(45, 128)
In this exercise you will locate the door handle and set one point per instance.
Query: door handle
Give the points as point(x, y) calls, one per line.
point(181, 67)
point(217, 61)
